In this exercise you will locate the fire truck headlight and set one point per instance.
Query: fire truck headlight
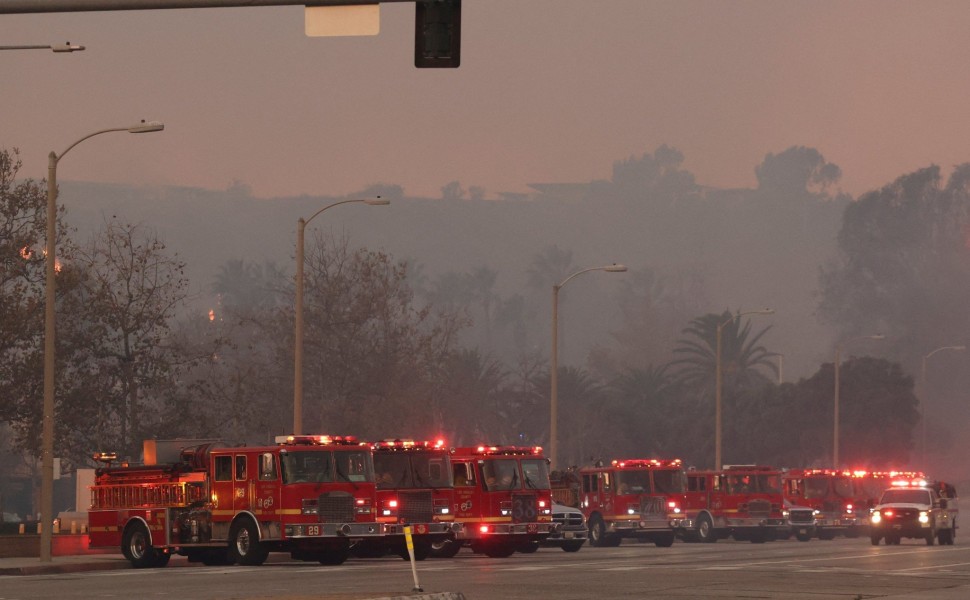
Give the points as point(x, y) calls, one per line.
point(816, 512)
point(506, 513)
point(444, 510)
point(784, 513)
point(387, 512)
point(875, 518)
point(631, 511)
point(924, 517)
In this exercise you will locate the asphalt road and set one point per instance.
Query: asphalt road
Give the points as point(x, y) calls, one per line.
point(843, 568)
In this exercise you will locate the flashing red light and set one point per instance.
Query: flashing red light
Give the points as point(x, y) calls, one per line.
point(483, 529)
point(542, 503)
point(887, 513)
point(392, 503)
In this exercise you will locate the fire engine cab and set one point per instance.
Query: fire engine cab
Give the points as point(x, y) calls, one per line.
point(637, 498)
point(823, 503)
point(414, 488)
point(310, 496)
point(744, 502)
point(502, 500)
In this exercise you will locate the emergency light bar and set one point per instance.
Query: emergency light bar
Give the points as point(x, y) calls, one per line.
point(646, 463)
point(915, 483)
point(316, 440)
point(408, 445)
point(504, 450)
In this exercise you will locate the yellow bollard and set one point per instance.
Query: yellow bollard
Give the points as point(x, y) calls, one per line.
point(414, 569)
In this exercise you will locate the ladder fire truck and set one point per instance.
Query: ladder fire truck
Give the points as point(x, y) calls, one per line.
point(822, 503)
point(414, 488)
point(310, 496)
point(744, 502)
point(502, 501)
point(641, 498)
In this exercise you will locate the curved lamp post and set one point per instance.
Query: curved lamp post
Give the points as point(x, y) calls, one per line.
point(554, 359)
point(47, 435)
point(838, 360)
point(298, 349)
point(718, 377)
point(65, 47)
point(922, 381)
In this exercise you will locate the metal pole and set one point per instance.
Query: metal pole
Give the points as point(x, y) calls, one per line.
point(47, 434)
point(922, 414)
point(554, 382)
point(717, 400)
point(835, 429)
point(298, 349)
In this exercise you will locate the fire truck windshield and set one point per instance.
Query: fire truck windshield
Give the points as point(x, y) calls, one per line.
point(633, 482)
point(306, 467)
point(816, 487)
point(412, 470)
point(844, 487)
point(535, 474)
point(501, 474)
point(910, 496)
point(668, 481)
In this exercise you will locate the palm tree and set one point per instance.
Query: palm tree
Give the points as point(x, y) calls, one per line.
point(740, 356)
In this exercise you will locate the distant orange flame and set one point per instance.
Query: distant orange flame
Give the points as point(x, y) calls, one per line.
point(26, 253)
point(57, 266)
point(212, 315)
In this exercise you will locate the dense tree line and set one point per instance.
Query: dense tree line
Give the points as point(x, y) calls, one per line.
point(390, 351)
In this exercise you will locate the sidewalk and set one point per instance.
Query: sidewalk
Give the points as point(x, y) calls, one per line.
point(62, 564)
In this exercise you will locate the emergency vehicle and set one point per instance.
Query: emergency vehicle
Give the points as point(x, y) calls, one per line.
point(310, 496)
point(869, 486)
point(915, 509)
point(414, 488)
point(744, 502)
point(502, 500)
point(822, 503)
point(637, 498)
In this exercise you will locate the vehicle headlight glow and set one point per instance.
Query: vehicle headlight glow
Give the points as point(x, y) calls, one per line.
point(924, 517)
point(875, 518)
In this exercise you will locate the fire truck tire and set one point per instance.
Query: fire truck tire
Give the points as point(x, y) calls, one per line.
point(875, 540)
point(529, 547)
point(803, 537)
point(597, 532)
point(572, 546)
point(334, 556)
point(499, 549)
point(422, 550)
point(445, 549)
point(665, 540)
point(244, 546)
point(161, 559)
point(136, 547)
point(826, 535)
point(705, 530)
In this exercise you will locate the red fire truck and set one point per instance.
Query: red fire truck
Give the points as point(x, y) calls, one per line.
point(744, 502)
point(822, 503)
point(502, 500)
point(415, 488)
point(310, 496)
point(640, 498)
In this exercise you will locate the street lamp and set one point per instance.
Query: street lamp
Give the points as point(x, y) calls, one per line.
point(554, 359)
point(922, 386)
point(65, 47)
point(47, 435)
point(838, 360)
point(717, 379)
point(298, 349)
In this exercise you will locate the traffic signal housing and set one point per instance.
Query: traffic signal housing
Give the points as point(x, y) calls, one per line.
point(437, 34)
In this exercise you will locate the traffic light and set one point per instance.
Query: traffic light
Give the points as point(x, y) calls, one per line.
point(437, 34)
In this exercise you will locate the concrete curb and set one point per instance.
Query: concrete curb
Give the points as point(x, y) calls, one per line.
point(434, 596)
point(54, 569)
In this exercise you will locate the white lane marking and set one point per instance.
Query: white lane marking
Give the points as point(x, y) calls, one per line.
point(870, 555)
point(935, 567)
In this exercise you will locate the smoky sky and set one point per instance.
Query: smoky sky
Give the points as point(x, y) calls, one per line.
point(548, 91)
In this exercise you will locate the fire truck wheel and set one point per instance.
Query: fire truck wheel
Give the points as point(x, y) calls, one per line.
point(705, 530)
point(161, 559)
point(334, 556)
point(244, 546)
point(572, 546)
point(528, 547)
point(499, 549)
point(445, 549)
point(665, 540)
point(422, 550)
point(136, 547)
point(875, 540)
point(597, 532)
point(803, 537)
